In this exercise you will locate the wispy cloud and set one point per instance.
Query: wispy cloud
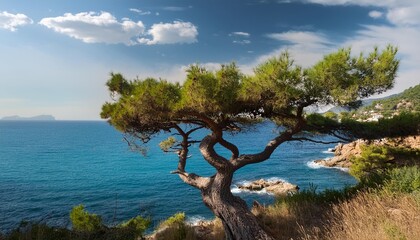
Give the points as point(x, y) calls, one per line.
point(375, 14)
point(176, 9)
point(399, 12)
point(243, 42)
point(240, 37)
point(10, 21)
point(140, 12)
point(241, 34)
point(303, 38)
point(91, 27)
point(170, 33)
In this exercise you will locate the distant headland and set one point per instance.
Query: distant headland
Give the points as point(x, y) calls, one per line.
point(34, 118)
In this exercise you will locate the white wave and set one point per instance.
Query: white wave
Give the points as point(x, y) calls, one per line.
point(195, 220)
point(329, 151)
point(236, 189)
point(314, 165)
point(275, 179)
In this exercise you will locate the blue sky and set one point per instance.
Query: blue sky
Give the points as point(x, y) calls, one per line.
point(56, 55)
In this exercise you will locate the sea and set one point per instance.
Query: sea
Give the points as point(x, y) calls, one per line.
point(48, 167)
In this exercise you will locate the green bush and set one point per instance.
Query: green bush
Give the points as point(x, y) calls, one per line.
point(174, 228)
point(374, 160)
point(84, 221)
point(404, 180)
point(177, 218)
point(136, 225)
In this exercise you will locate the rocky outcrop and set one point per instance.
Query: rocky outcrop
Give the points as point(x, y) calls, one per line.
point(343, 153)
point(276, 187)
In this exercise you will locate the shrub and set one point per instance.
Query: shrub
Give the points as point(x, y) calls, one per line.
point(403, 180)
point(84, 221)
point(377, 159)
point(136, 225)
point(177, 218)
point(174, 228)
point(372, 159)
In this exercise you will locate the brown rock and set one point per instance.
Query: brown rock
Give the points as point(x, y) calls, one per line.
point(276, 187)
point(343, 153)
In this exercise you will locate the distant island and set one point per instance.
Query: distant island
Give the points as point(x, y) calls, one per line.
point(35, 118)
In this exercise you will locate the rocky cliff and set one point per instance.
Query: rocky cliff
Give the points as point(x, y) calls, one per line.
point(343, 153)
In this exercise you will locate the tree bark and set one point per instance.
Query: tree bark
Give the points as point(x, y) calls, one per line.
point(238, 221)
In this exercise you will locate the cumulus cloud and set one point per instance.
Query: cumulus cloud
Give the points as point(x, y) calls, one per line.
point(10, 21)
point(375, 14)
point(170, 33)
point(91, 27)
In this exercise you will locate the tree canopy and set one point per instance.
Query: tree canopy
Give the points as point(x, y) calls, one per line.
point(227, 100)
point(278, 90)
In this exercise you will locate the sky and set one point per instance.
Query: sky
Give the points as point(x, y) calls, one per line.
point(56, 55)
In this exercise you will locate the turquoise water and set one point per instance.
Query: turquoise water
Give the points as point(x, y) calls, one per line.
point(46, 168)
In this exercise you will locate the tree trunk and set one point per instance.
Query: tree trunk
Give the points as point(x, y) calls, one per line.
point(238, 221)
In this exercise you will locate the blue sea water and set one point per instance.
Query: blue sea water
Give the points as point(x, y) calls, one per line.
point(46, 168)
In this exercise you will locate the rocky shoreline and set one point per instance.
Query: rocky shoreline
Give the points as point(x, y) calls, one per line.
point(276, 187)
point(343, 153)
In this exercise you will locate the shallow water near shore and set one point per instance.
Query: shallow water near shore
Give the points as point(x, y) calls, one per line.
point(46, 168)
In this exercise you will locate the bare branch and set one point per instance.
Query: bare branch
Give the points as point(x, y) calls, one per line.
point(193, 130)
point(231, 147)
point(314, 141)
point(193, 179)
point(207, 150)
point(246, 159)
point(333, 133)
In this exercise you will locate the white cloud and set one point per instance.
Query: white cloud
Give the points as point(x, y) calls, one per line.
point(140, 12)
point(300, 37)
point(10, 21)
point(399, 12)
point(243, 42)
point(404, 15)
point(170, 33)
point(375, 14)
point(175, 9)
point(240, 34)
point(239, 37)
point(91, 27)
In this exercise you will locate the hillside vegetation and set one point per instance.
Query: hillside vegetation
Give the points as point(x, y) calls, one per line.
point(407, 101)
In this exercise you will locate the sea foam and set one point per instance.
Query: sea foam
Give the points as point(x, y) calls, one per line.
point(237, 190)
point(314, 165)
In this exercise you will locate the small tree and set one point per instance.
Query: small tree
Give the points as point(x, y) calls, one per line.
point(84, 221)
point(227, 101)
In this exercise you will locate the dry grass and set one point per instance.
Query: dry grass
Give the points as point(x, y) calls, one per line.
point(371, 216)
point(367, 216)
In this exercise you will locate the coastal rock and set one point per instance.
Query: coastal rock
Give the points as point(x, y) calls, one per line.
point(343, 153)
point(277, 187)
